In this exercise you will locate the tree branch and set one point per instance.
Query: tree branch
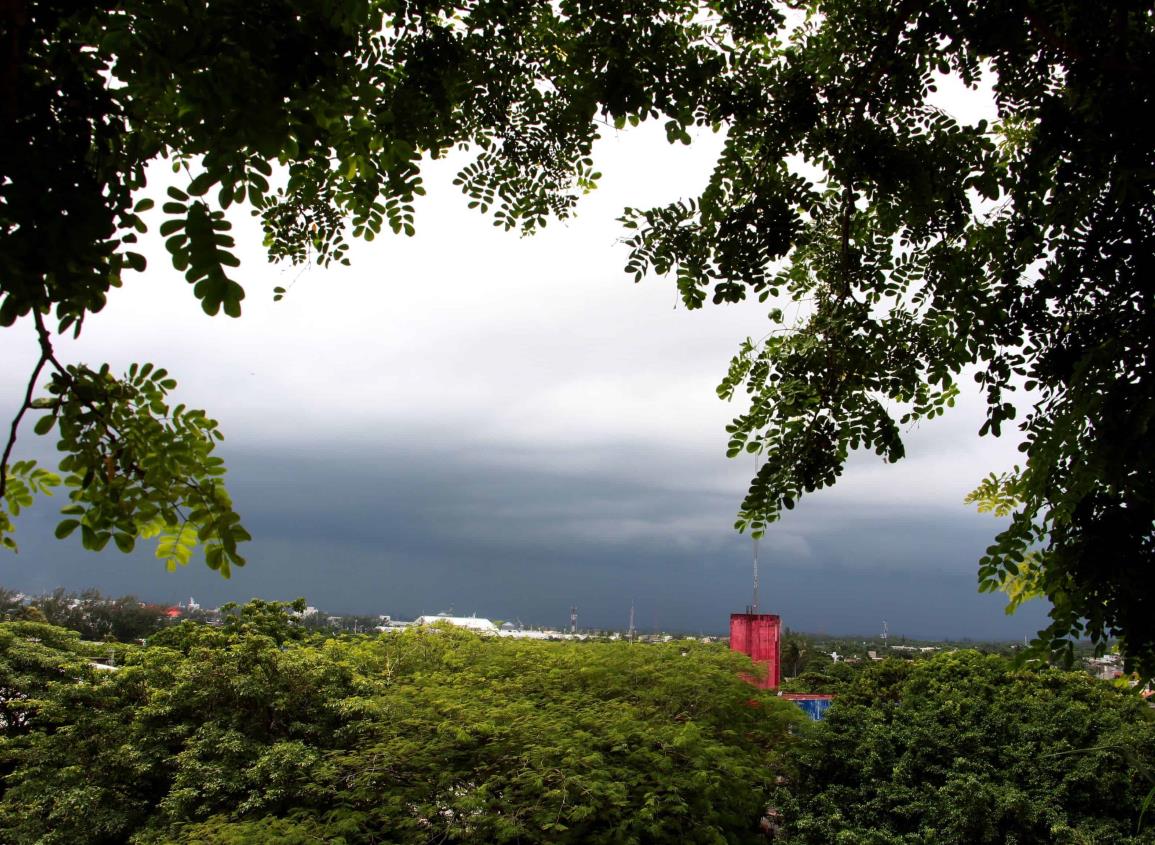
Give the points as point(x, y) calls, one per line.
point(47, 355)
point(26, 406)
point(844, 245)
point(46, 350)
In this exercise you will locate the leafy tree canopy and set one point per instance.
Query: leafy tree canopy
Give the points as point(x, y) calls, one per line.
point(918, 250)
point(964, 749)
point(260, 732)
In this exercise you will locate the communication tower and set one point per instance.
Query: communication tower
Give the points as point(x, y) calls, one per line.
point(573, 619)
point(885, 633)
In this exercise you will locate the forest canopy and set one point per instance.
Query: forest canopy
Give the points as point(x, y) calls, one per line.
point(261, 731)
point(963, 749)
point(920, 248)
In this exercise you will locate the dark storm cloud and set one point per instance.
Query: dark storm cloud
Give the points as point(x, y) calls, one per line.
point(409, 532)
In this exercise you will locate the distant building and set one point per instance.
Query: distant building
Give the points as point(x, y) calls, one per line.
point(924, 649)
point(473, 623)
point(529, 634)
point(1106, 668)
point(390, 625)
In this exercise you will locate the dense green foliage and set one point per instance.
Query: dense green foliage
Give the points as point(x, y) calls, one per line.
point(261, 732)
point(962, 749)
point(35, 659)
point(910, 247)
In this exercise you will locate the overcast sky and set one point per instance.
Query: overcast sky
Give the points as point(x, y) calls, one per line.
point(475, 421)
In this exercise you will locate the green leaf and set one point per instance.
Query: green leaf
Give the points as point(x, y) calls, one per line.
point(201, 184)
point(66, 527)
point(92, 539)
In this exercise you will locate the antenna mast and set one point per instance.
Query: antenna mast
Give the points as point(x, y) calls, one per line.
point(755, 536)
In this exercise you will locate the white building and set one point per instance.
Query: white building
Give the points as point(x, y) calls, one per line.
point(473, 623)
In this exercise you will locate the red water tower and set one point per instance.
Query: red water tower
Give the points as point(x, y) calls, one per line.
point(759, 636)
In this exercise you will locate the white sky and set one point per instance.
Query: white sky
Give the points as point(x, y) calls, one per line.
point(484, 339)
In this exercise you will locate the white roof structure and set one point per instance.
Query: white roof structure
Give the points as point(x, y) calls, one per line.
point(519, 634)
point(473, 623)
